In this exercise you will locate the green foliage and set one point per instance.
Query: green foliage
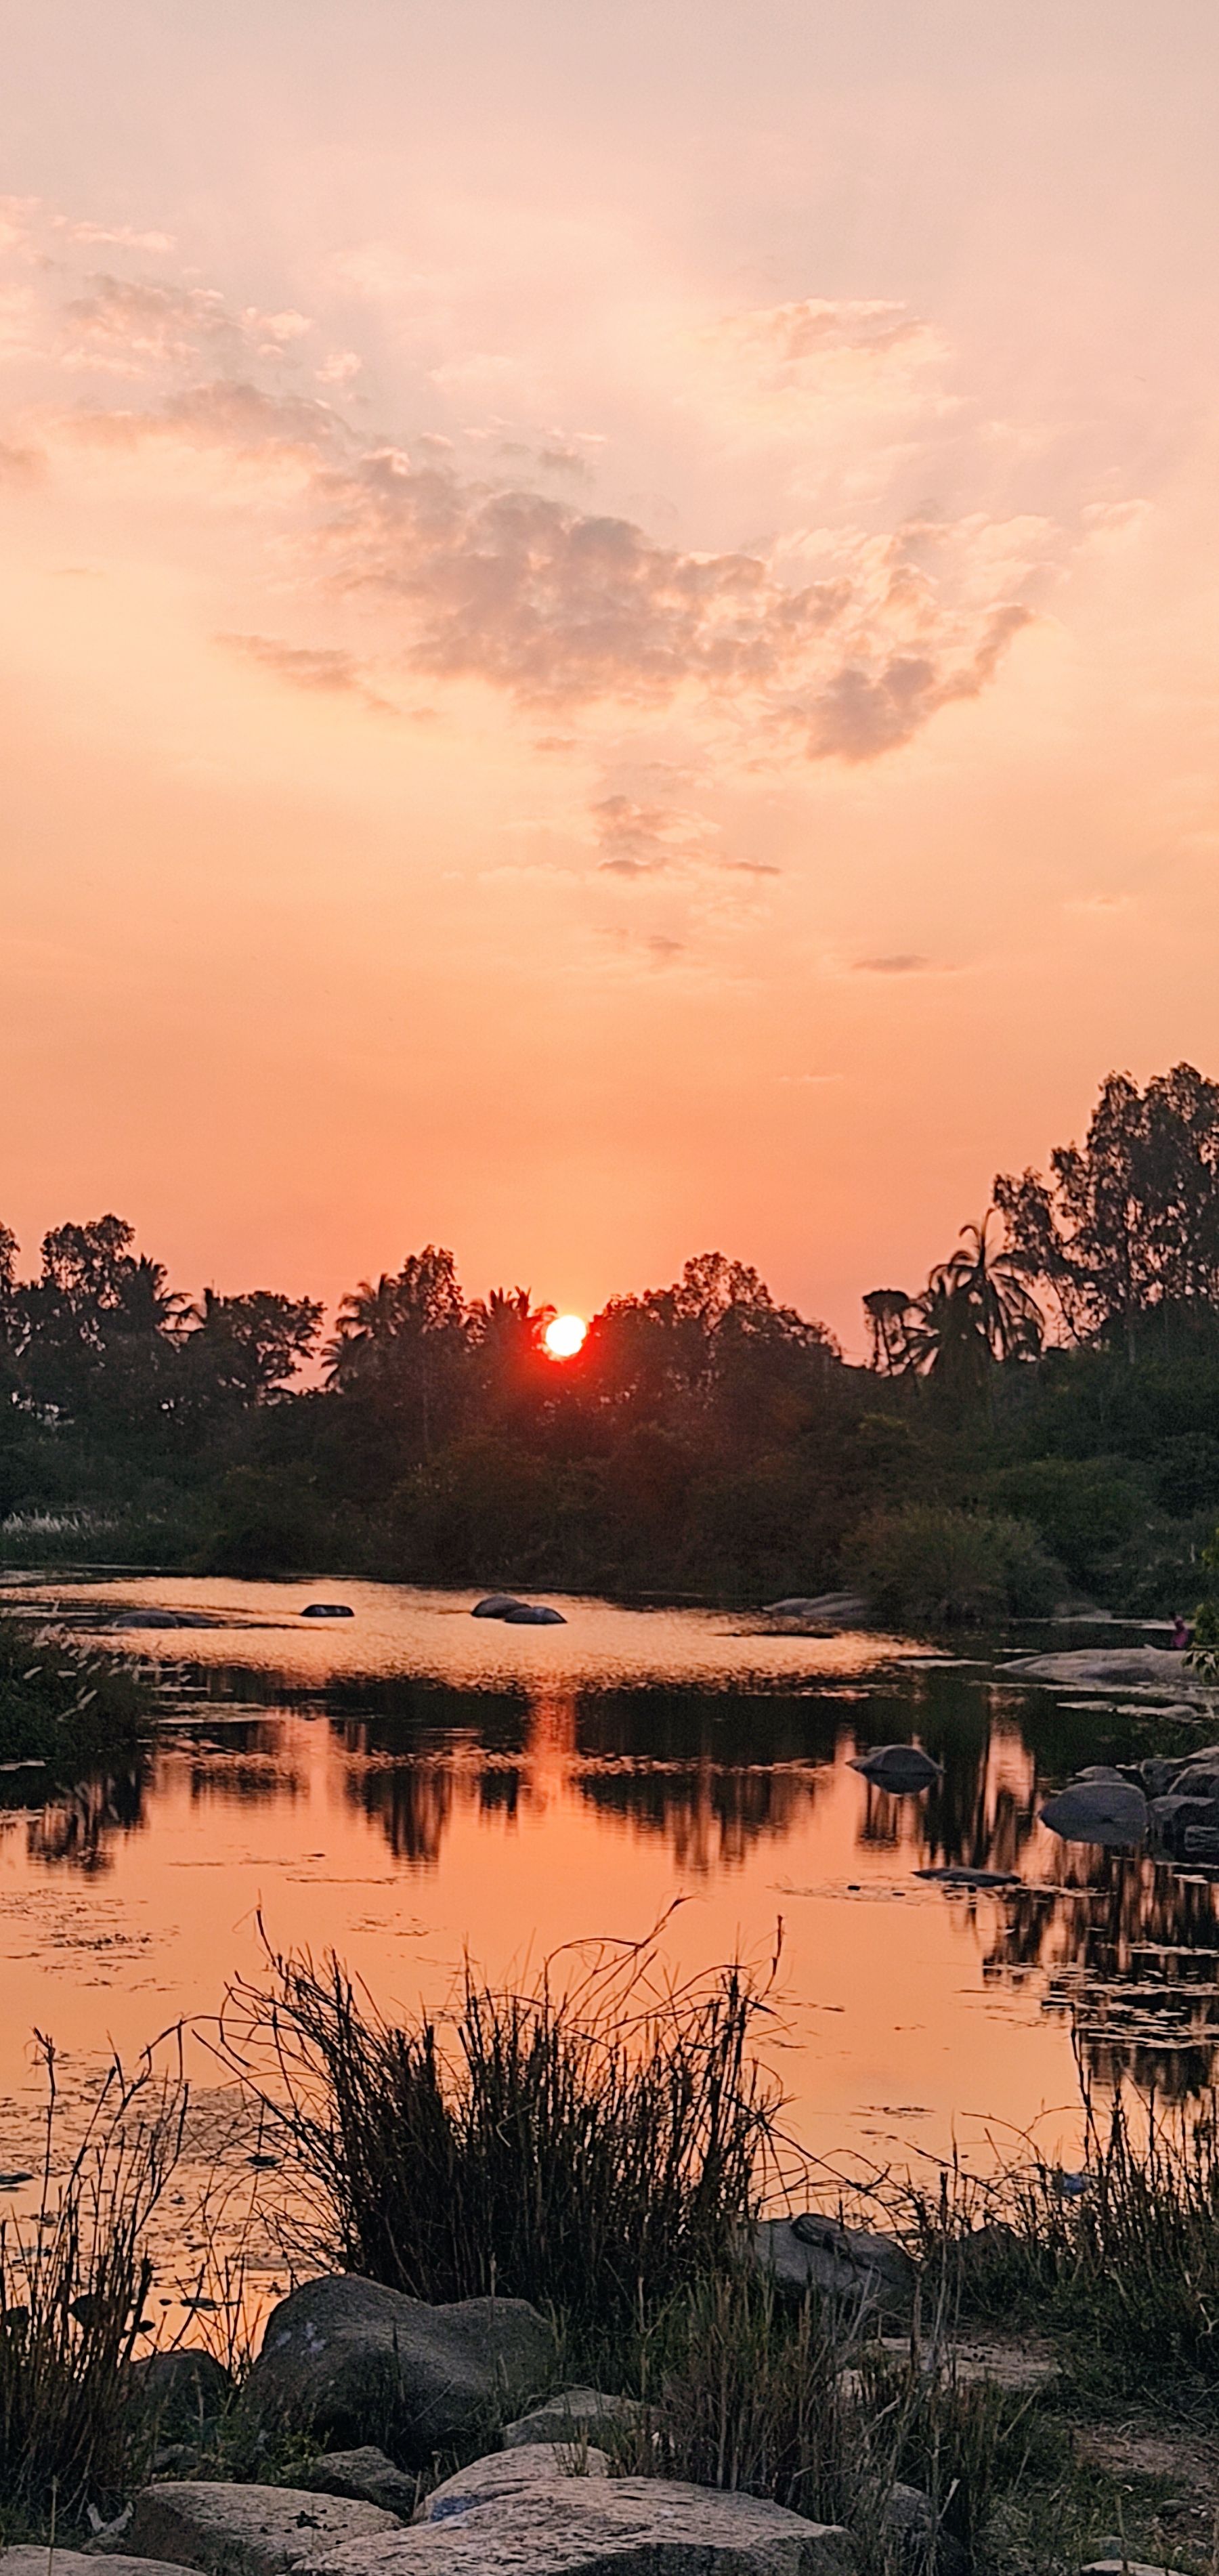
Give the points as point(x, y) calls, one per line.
point(930, 1565)
point(1083, 1509)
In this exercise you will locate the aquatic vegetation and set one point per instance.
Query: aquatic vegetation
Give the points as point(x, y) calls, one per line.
point(63, 1702)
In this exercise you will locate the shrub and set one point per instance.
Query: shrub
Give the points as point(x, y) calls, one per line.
point(594, 2146)
point(928, 1564)
point(63, 1703)
point(1081, 1508)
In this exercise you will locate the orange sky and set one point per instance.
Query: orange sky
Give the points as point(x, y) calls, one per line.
point(607, 641)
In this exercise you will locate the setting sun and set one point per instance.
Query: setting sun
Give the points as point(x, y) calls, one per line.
point(564, 1337)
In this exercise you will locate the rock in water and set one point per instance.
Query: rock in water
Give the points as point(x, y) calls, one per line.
point(34, 2561)
point(250, 2531)
point(607, 2527)
point(327, 1610)
point(533, 1614)
point(496, 1606)
point(898, 1767)
point(1098, 1811)
point(350, 2359)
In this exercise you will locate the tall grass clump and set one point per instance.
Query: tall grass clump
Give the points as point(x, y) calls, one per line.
point(592, 2145)
point(1121, 2259)
point(73, 2280)
point(63, 1701)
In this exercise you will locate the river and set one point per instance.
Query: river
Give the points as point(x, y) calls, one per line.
point(413, 1788)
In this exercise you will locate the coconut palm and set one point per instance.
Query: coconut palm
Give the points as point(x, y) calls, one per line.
point(975, 1310)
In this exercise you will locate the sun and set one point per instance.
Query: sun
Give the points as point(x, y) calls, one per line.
point(564, 1336)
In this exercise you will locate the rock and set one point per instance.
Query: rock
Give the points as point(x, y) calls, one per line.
point(506, 2476)
point(1153, 1665)
point(327, 1610)
point(850, 2263)
point(1100, 1771)
point(1159, 1774)
point(1117, 2566)
point(368, 2476)
point(570, 2416)
point(35, 2560)
point(250, 2531)
point(349, 2358)
point(901, 1768)
point(532, 1614)
point(844, 1609)
point(1200, 1842)
point(496, 1606)
point(909, 2520)
point(959, 1876)
point(165, 1619)
point(1109, 1812)
point(607, 2527)
point(181, 2390)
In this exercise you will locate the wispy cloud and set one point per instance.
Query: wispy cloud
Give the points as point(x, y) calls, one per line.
point(904, 963)
point(317, 668)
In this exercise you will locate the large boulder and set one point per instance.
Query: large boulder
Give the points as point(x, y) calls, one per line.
point(248, 2531)
point(607, 2527)
point(571, 2416)
point(1108, 1811)
point(358, 2363)
point(856, 2265)
point(1153, 1666)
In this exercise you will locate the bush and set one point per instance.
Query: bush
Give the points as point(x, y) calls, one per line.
point(1081, 1508)
point(930, 1565)
point(594, 2148)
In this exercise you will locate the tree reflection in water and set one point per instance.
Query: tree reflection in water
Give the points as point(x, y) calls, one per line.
point(78, 1830)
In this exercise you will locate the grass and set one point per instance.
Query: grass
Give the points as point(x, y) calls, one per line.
point(593, 2144)
point(1120, 2262)
point(64, 1703)
point(73, 2281)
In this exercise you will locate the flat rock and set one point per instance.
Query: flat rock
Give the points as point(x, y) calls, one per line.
point(849, 2263)
point(1098, 1811)
point(366, 2475)
point(505, 2476)
point(608, 2527)
point(348, 2358)
point(570, 2416)
point(841, 1608)
point(1104, 1664)
point(249, 2531)
point(1126, 2567)
point(34, 2561)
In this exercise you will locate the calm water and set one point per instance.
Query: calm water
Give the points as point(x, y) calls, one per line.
point(412, 1786)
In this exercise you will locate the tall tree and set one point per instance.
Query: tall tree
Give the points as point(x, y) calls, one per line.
point(399, 1345)
point(1128, 1223)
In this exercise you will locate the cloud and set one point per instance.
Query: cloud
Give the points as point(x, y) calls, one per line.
point(836, 642)
point(904, 963)
point(639, 840)
point(133, 325)
point(308, 667)
point(114, 236)
point(20, 464)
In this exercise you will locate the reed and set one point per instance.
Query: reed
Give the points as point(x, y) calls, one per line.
point(593, 2144)
point(73, 2280)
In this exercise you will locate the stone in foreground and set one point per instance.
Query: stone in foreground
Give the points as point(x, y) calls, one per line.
point(900, 1768)
point(250, 2531)
point(850, 2263)
point(34, 2561)
point(572, 2415)
point(608, 2527)
point(505, 2477)
point(1126, 2567)
point(367, 2476)
point(181, 2390)
point(352, 2360)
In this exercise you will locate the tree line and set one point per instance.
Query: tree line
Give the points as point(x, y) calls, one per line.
point(1056, 1377)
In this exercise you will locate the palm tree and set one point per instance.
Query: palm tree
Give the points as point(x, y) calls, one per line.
point(976, 1310)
